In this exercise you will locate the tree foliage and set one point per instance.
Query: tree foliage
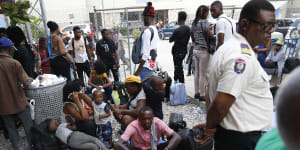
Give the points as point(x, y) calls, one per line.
point(16, 11)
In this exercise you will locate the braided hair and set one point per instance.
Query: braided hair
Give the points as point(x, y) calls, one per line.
point(200, 14)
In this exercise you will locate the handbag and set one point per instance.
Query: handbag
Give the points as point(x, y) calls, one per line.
point(211, 42)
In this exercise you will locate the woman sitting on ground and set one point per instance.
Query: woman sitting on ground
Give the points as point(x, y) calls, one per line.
point(125, 114)
point(78, 108)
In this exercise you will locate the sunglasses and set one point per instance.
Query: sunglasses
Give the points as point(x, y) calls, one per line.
point(267, 27)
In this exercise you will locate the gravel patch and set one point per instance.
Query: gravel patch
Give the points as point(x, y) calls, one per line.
point(193, 114)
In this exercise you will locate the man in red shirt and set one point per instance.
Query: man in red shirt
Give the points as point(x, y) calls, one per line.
point(141, 133)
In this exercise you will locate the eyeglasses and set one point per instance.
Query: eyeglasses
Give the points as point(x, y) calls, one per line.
point(267, 27)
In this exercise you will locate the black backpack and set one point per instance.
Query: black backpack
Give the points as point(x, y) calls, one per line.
point(120, 88)
point(291, 64)
point(189, 142)
point(42, 139)
point(176, 122)
point(137, 47)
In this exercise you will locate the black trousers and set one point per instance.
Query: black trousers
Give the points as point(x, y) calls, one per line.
point(233, 140)
point(114, 70)
point(178, 73)
point(83, 67)
point(60, 66)
point(190, 67)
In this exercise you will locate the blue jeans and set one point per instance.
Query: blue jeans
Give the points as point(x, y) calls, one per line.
point(144, 74)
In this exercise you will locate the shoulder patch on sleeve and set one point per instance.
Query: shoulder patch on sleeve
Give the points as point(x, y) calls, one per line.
point(239, 66)
point(245, 49)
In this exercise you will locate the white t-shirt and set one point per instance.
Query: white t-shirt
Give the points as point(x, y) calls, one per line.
point(224, 26)
point(236, 71)
point(149, 47)
point(62, 132)
point(133, 103)
point(79, 50)
point(100, 109)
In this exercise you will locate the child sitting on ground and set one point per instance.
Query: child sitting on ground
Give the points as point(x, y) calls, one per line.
point(74, 139)
point(99, 79)
point(102, 114)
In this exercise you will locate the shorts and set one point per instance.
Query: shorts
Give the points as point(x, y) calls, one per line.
point(105, 131)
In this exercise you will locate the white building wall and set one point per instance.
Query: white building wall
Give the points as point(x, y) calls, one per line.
point(59, 11)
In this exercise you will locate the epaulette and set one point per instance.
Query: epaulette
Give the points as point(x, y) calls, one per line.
point(245, 49)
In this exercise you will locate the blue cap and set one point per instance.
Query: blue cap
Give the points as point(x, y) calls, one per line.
point(5, 42)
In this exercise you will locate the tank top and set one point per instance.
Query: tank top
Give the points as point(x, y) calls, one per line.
point(52, 50)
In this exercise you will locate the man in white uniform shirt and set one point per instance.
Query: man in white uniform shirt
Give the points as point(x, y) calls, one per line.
point(239, 91)
point(149, 45)
point(225, 27)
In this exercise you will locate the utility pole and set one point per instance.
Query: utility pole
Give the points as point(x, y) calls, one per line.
point(103, 14)
point(44, 16)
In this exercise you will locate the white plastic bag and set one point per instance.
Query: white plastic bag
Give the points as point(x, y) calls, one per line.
point(31, 106)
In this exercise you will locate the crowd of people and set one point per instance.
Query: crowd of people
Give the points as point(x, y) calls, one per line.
point(229, 77)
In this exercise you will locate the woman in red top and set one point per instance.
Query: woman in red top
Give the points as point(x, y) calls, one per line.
point(42, 47)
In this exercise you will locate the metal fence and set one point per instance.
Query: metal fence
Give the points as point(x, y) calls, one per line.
point(125, 23)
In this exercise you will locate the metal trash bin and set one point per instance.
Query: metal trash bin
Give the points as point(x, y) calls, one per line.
point(48, 101)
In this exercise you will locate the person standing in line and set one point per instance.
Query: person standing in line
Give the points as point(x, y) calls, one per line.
point(13, 102)
point(24, 53)
point(42, 49)
point(59, 56)
point(119, 42)
point(149, 47)
point(181, 38)
point(225, 27)
point(241, 105)
point(107, 52)
point(80, 51)
point(200, 28)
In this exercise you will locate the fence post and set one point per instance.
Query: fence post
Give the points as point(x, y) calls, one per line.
point(96, 23)
point(126, 12)
point(44, 16)
point(28, 32)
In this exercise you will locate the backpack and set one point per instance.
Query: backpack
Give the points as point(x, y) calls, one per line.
point(177, 94)
point(291, 64)
point(42, 139)
point(211, 42)
point(137, 47)
point(176, 122)
point(73, 41)
point(120, 95)
point(188, 141)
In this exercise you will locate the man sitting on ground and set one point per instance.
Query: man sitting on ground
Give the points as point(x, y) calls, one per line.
point(276, 60)
point(141, 133)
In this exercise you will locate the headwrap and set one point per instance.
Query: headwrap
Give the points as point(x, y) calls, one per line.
point(132, 79)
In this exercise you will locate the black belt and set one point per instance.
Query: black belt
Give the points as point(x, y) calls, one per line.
point(225, 131)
